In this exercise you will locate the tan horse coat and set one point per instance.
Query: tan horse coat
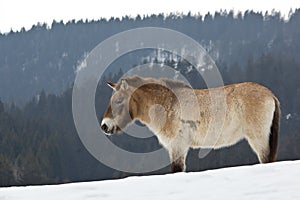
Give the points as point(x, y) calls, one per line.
point(182, 117)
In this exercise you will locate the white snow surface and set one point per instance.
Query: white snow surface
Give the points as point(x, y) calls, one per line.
point(279, 180)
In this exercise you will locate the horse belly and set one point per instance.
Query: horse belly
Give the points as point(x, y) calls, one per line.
point(229, 137)
point(231, 133)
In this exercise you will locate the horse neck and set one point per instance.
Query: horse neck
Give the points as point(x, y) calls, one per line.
point(147, 96)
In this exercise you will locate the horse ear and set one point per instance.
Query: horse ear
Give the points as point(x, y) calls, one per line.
point(124, 84)
point(112, 85)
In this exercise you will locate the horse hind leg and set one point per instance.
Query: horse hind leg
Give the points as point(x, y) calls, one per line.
point(260, 145)
point(263, 138)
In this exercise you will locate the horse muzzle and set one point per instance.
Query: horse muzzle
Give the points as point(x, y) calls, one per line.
point(108, 126)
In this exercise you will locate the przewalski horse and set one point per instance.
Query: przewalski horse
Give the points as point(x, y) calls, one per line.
point(252, 113)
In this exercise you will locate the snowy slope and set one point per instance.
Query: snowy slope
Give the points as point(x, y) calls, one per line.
point(269, 181)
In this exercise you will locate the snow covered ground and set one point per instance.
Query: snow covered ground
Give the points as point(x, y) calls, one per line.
point(279, 180)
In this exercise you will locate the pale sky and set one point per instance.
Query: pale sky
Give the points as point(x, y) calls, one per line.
point(15, 14)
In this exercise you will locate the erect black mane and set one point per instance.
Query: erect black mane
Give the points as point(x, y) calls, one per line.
point(137, 81)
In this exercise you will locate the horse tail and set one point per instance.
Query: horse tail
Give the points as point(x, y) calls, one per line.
point(273, 138)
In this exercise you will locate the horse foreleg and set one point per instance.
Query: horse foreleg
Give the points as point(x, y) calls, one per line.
point(177, 158)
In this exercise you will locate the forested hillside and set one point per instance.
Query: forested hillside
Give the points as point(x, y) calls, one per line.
point(46, 56)
point(38, 140)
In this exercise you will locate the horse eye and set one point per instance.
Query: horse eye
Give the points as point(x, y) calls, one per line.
point(119, 101)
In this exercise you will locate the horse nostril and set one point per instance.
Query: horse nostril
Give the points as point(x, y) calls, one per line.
point(104, 127)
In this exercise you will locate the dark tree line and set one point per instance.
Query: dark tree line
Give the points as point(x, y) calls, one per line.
point(46, 56)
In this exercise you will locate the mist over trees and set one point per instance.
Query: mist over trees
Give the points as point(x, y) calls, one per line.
point(46, 56)
point(38, 140)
